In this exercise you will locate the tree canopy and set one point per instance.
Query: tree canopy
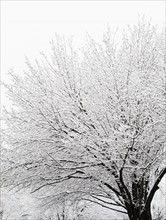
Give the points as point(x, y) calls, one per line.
point(91, 127)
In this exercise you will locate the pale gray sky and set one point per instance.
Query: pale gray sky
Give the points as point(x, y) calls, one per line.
point(28, 26)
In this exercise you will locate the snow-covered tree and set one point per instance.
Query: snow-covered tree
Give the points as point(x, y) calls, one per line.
point(91, 127)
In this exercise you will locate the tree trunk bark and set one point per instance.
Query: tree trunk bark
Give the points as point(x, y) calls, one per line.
point(136, 215)
point(146, 215)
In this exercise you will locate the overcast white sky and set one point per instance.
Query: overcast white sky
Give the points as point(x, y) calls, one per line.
point(28, 26)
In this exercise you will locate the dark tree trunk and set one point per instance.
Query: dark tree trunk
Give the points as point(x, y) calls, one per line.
point(146, 215)
point(138, 201)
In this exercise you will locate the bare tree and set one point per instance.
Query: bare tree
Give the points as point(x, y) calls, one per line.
point(91, 127)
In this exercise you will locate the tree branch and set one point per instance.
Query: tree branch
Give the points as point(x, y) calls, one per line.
point(155, 187)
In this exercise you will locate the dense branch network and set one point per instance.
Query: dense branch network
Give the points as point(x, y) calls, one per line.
point(94, 125)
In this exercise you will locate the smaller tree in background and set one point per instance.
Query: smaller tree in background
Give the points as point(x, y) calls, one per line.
point(91, 128)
